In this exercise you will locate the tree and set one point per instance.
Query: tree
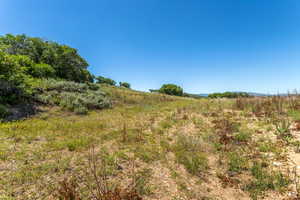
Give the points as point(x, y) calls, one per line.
point(124, 84)
point(14, 81)
point(101, 80)
point(229, 95)
point(65, 61)
point(171, 89)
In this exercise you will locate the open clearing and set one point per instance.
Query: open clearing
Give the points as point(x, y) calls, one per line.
point(171, 148)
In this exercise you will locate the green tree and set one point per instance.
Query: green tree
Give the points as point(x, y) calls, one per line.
point(171, 89)
point(124, 84)
point(14, 81)
point(229, 95)
point(103, 80)
point(65, 61)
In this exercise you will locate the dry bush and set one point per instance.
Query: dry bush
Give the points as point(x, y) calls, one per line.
point(225, 129)
point(262, 106)
point(97, 184)
point(68, 190)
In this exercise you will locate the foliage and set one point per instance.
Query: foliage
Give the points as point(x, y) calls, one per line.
point(61, 85)
point(76, 97)
point(3, 111)
point(42, 71)
point(13, 78)
point(23, 59)
point(171, 89)
point(47, 58)
point(124, 84)
point(103, 80)
point(229, 95)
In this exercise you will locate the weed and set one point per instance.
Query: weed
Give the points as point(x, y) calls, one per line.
point(188, 152)
point(237, 162)
point(243, 137)
point(283, 128)
point(265, 180)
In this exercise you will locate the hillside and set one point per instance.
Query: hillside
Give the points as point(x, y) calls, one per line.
point(154, 146)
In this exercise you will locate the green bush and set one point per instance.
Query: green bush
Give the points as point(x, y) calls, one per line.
point(103, 80)
point(124, 84)
point(171, 89)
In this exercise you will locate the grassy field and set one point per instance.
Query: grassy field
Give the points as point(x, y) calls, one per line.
point(154, 146)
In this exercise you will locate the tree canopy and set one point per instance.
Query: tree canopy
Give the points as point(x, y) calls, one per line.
point(47, 58)
point(24, 59)
point(229, 95)
point(171, 89)
point(124, 84)
point(103, 80)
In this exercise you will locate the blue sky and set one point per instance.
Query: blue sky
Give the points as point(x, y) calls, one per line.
point(202, 45)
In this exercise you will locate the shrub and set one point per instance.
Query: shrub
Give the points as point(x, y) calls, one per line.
point(103, 80)
point(188, 153)
point(63, 86)
point(171, 89)
point(124, 84)
point(75, 97)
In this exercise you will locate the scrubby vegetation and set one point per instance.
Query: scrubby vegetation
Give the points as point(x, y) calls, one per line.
point(124, 84)
point(171, 89)
point(229, 95)
point(35, 71)
point(103, 80)
point(76, 97)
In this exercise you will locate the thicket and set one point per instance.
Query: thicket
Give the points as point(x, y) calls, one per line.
point(75, 97)
point(229, 95)
point(103, 80)
point(171, 89)
point(37, 70)
point(24, 59)
point(124, 84)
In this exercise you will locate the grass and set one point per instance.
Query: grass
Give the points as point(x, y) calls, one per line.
point(175, 143)
point(265, 179)
point(189, 152)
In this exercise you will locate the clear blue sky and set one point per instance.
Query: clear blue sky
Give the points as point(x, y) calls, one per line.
point(202, 45)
